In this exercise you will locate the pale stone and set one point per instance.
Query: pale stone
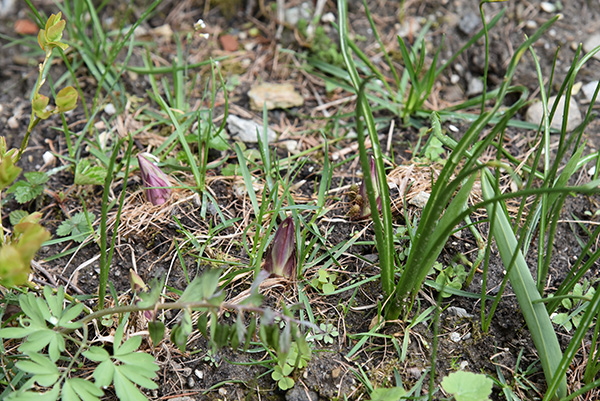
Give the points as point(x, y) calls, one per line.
point(588, 91)
point(246, 130)
point(535, 113)
point(590, 43)
point(275, 96)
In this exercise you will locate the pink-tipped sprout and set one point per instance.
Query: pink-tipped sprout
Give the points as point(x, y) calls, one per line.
point(281, 256)
point(156, 182)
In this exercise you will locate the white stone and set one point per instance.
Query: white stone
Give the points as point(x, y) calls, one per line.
point(13, 123)
point(49, 158)
point(246, 130)
point(110, 109)
point(590, 43)
point(588, 91)
point(475, 87)
point(295, 14)
point(420, 199)
point(535, 113)
point(547, 6)
point(454, 336)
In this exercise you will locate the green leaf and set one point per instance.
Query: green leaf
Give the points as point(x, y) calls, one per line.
point(86, 390)
point(138, 376)
point(125, 389)
point(44, 371)
point(96, 354)
point(141, 359)
point(16, 215)
point(129, 346)
point(104, 373)
point(202, 287)
point(86, 174)
point(181, 331)
point(14, 332)
point(77, 226)
point(525, 289)
point(66, 99)
point(157, 331)
point(388, 394)
point(468, 386)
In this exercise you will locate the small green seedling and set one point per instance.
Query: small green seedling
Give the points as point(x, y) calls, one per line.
point(577, 306)
point(451, 276)
point(329, 331)
point(29, 189)
point(325, 281)
point(78, 226)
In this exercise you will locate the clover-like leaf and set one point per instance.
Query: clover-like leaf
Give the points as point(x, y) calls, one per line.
point(50, 37)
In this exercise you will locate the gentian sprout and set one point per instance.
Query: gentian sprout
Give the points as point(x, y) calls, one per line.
point(155, 181)
point(281, 256)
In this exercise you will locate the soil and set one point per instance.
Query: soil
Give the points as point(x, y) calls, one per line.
point(145, 239)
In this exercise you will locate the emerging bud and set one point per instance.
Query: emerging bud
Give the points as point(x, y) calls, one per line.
point(156, 182)
point(51, 36)
point(137, 284)
point(281, 256)
point(363, 197)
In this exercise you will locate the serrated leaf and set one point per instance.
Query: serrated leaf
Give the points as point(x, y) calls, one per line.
point(77, 226)
point(468, 386)
point(36, 177)
point(86, 174)
point(96, 354)
point(16, 215)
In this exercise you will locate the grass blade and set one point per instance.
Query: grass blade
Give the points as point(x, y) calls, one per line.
point(535, 314)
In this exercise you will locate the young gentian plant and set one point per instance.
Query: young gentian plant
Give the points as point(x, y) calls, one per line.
point(281, 256)
point(156, 182)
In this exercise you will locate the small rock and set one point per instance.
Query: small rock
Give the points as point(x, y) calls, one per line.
point(454, 336)
point(588, 91)
point(463, 365)
point(372, 257)
point(275, 96)
point(246, 130)
point(294, 14)
point(328, 18)
point(591, 43)
point(13, 123)
point(299, 393)
point(110, 109)
point(531, 24)
point(454, 78)
point(548, 7)
point(336, 372)
point(469, 22)
point(190, 382)
point(474, 87)
point(460, 312)
point(420, 199)
point(535, 113)
point(291, 146)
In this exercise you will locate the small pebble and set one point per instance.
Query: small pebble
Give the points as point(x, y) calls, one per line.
point(48, 158)
point(548, 7)
point(591, 43)
point(455, 337)
point(110, 109)
point(13, 123)
point(454, 79)
point(531, 24)
point(588, 91)
point(190, 382)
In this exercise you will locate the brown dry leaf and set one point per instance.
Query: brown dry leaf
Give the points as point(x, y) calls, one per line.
point(229, 43)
